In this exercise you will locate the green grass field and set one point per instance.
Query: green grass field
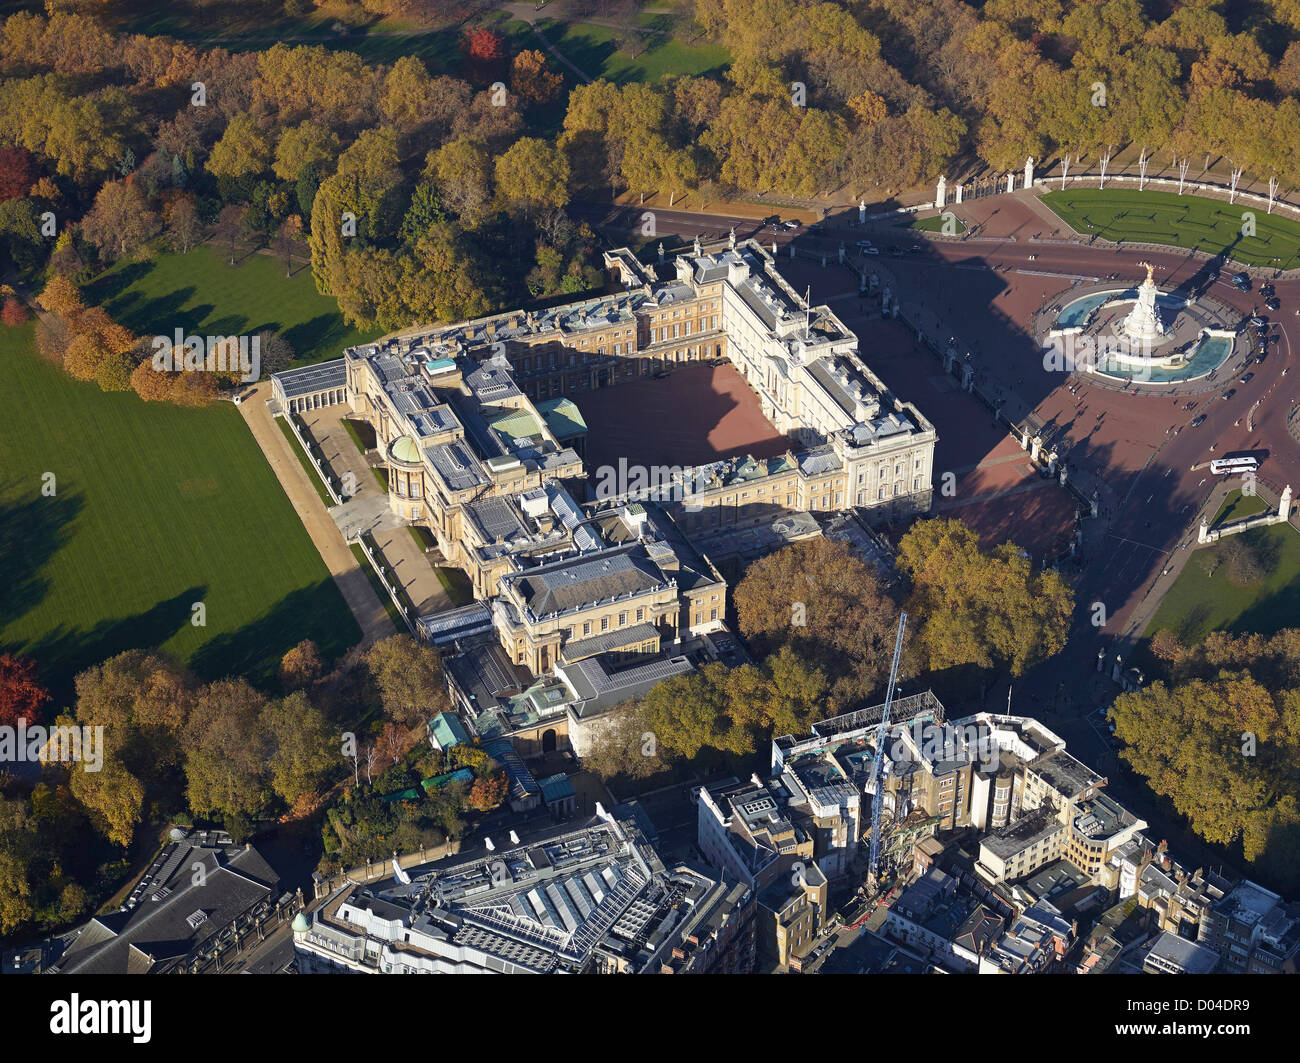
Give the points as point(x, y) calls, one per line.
point(200, 293)
point(1207, 225)
point(1199, 603)
point(155, 508)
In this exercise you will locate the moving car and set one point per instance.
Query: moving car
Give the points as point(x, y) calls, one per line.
point(863, 244)
point(1241, 281)
point(871, 250)
point(1199, 421)
point(789, 226)
point(1273, 304)
point(1229, 393)
point(1267, 290)
point(1248, 378)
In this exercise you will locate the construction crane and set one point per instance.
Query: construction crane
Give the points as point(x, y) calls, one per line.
point(877, 764)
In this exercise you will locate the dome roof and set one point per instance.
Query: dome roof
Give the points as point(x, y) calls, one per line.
point(404, 449)
point(301, 924)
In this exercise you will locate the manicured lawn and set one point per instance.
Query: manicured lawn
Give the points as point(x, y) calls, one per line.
point(1207, 225)
point(156, 508)
point(457, 585)
point(200, 293)
point(595, 50)
point(1199, 603)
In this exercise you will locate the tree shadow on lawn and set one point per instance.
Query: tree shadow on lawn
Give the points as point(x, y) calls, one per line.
point(1272, 613)
point(62, 652)
point(32, 531)
point(160, 316)
point(254, 651)
point(110, 285)
point(311, 338)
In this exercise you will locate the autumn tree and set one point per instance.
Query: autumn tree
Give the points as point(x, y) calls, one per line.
point(488, 792)
point(485, 54)
point(823, 601)
point(300, 666)
point(184, 229)
point(972, 607)
point(13, 312)
point(533, 175)
point(226, 745)
point(304, 748)
point(243, 150)
point(120, 222)
point(530, 78)
point(17, 172)
point(142, 703)
point(21, 694)
point(408, 675)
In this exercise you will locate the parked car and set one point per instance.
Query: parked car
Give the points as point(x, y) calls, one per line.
point(1199, 421)
point(896, 252)
point(1273, 304)
point(789, 226)
point(1241, 281)
point(871, 250)
point(1229, 393)
point(863, 244)
point(1248, 378)
point(1259, 322)
point(1267, 290)
point(915, 249)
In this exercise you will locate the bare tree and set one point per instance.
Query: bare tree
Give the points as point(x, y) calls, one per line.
point(1143, 159)
point(1234, 176)
point(1105, 161)
point(230, 224)
point(1184, 165)
point(1065, 170)
point(1272, 192)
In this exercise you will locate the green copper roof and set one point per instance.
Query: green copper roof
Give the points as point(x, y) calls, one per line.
point(404, 449)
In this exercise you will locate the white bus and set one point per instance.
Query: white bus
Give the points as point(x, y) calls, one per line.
point(1232, 466)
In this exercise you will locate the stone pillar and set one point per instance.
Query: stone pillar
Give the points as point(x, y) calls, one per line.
point(959, 190)
point(1037, 448)
point(1011, 182)
point(774, 249)
point(1024, 439)
point(1051, 463)
point(1062, 473)
point(1029, 172)
point(733, 238)
point(1101, 659)
point(862, 212)
point(941, 193)
point(1203, 532)
point(968, 376)
point(1094, 507)
point(1284, 503)
point(661, 250)
point(949, 357)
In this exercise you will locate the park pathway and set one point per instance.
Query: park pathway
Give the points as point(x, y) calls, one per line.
point(349, 577)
